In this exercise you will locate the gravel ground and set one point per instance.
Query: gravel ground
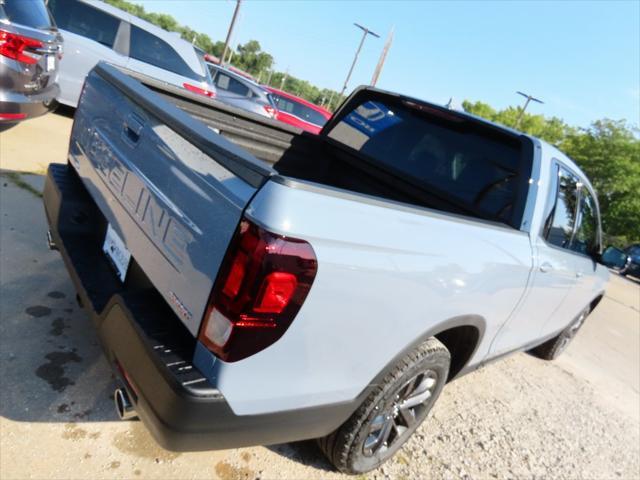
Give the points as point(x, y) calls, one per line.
point(576, 418)
point(518, 418)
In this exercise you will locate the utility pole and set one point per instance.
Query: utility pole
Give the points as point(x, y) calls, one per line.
point(383, 57)
point(230, 31)
point(284, 79)
point(526, 104)
point(269, 77)
point(366, 32)
point(330, 100)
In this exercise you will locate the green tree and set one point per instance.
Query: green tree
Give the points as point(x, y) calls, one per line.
point(609, 153)
point(251, 58)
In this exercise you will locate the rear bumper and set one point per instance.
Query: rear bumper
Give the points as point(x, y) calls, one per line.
point(28, 106)
point(150, 349)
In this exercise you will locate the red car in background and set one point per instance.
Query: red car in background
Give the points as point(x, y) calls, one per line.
point(297, 111)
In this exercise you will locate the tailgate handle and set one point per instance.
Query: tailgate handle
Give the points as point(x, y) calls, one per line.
point(132, 129)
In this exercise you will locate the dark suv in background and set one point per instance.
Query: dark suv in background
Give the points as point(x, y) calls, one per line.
point(30, 51)
point(632, 263)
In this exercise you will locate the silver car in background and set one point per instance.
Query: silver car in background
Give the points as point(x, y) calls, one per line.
point(30, 50)
point(95, 31)
point(240, 92)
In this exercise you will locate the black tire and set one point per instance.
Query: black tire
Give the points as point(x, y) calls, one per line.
point(424, 369)
point(551, 349)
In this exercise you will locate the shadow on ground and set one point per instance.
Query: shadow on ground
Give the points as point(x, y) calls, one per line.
point(51, 364)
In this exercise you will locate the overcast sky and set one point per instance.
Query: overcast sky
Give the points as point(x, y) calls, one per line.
point(582, 58)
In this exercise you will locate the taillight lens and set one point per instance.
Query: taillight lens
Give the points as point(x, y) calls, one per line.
point(17, 47)
point(270, 110)
point(199, 90)
point(263, 281)
point(12, 116)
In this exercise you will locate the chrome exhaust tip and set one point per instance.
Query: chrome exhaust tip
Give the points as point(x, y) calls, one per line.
point(50, 243)
point(124, 407)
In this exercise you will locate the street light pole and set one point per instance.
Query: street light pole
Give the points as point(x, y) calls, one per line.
point(230, 31)
point(529, 98)
point(366, 32)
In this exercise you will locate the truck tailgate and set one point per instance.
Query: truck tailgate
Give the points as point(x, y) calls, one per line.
point(171, 189)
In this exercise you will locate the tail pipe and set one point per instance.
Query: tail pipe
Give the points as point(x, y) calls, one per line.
point(50, 242)
point(124, 407)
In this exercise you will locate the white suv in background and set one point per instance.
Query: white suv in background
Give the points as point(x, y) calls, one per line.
point(94, 31)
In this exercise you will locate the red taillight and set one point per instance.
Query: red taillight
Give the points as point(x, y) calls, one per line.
point(199, 90)
point(17, 47)
point(12, 116)
point(270, 110)
point(263, 281)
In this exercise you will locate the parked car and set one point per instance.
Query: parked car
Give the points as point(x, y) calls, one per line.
point(626, 261)
point(298, 112)
point(238, 91)
point(95, 31)
point(294, 286)
point(30, 51)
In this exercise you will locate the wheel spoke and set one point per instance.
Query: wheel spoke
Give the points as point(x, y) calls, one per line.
point(421, 394)
point(377, 424)
point(407, 416)
point(386, 431)
point(415, 400)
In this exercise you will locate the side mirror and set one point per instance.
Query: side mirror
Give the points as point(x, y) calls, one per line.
point(613, 257)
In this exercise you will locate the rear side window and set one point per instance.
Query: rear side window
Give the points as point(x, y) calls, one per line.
point(82, 19)
point(30, 13)
point(472, 168)
point(150, 49)
point(561, 222)
point(301, 111)
point(231, 85)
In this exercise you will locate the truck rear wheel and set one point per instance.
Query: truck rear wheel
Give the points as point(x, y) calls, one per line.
point(551, 349)
point(391, 412)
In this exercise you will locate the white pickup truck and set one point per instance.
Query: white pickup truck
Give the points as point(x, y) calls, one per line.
point(254, 284)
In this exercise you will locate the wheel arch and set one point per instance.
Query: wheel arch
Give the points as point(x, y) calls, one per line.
point(461, 335)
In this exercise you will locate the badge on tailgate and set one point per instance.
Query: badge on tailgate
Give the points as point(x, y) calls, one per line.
point(116, 252)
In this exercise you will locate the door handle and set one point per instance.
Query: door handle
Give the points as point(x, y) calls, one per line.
point(579, 274)
point(132, 129)
point(545, 267)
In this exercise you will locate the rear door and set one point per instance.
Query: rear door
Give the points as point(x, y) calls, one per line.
point(586, 242)
point(90, 36)
point(171, 189)
point(546, 309)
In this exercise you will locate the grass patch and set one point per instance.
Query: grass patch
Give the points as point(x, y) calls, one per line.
point(19, 182)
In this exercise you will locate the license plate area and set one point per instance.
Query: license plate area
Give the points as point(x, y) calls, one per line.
point(51, 63)
point(117, 253)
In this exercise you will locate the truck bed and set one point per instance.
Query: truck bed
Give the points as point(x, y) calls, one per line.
point(299, 155)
